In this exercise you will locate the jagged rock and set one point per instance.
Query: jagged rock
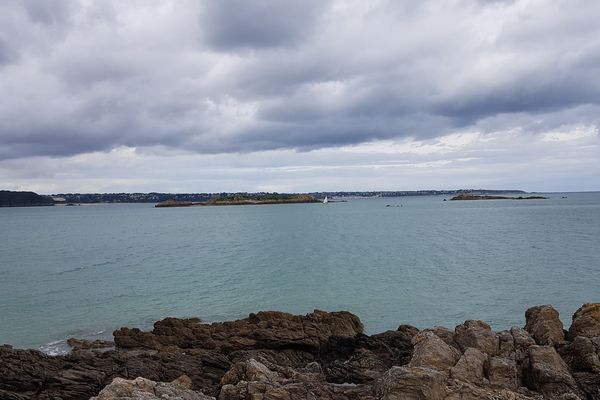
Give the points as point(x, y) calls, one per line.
point(254, 380)
point(445, 334)
point(522, 339)
point(477, 334)
point(412, 383)
point(268, 330)
point(362, 358)
point(548, 373)
point(145, 389)
point(506, 344)
point(502, 372)
point(470, 367)
point(460, 390)
point(250, 370)
point(586, 321)
point(583, 354)
point(432, 352)
point(263, 358)
point(544, 325)
point(589, 384)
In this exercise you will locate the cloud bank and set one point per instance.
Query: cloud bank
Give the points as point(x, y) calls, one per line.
point(273, 80)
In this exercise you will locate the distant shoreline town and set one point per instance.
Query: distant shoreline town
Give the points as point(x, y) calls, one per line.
point(25, 198)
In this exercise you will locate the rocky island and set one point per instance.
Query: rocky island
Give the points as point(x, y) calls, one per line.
point(322, 355)
point(470, 196)
point(243, 199)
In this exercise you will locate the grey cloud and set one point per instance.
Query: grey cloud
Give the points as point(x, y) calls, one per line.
point(239, 24)
point(8, 54)
point(49, 12)
point(237, 76)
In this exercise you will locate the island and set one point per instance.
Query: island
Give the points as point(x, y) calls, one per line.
point(23, 199)
point(239, 199)
point(321, 355)
point(470, 196)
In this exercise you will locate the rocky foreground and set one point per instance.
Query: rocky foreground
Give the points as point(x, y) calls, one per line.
point(277, 356)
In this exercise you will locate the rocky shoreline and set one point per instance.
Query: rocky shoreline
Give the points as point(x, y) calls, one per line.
point(276, 356)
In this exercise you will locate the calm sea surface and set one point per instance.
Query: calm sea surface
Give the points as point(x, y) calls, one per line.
point(83, 271)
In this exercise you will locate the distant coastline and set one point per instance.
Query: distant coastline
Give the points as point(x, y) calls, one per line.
point(28, 199)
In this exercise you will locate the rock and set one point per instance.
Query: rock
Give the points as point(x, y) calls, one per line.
point(502, 372)
point(583, 354)
point(432, 352)
point(477, 334)
point(544, 325)
point(506, 344)
point(548, 373)
point(252, 371)
point(269, 330)
point(446, 335)
point(470, 367)
point(586, 321)
point(408, 329)
point(412, 383)
point(362, 358)
point(458, 390)
point(270, 356)
point(145, 389)
point(82, 344)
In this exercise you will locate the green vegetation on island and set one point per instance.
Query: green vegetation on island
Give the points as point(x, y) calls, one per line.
point(244, 199)
point(470, 196)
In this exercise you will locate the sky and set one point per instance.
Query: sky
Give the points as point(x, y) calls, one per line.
point(299, 95)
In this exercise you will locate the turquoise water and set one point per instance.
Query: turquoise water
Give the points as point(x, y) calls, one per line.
point(83, 271)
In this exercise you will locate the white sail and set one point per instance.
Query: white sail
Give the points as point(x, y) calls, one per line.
point(325, 201)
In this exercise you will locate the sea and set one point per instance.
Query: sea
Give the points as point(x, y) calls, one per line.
point(85, 271)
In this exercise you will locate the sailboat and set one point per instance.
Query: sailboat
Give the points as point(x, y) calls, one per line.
point(325, 201)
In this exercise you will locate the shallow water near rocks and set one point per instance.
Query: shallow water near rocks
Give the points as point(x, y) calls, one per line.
point(84, 271)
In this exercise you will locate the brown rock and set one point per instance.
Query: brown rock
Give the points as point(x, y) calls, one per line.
point(412, 383)
point(432, 352)
point(470, 367)
point(502, 372)
point(145, 389)
point(477, 334)
point(583, 354)
point(269, 330)
point(586, 321)
point(548, 373)
point(408, 329)
point(544, 325)
point(458, 390)
point(82, 344)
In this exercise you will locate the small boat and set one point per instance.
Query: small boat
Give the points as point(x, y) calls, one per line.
point(325, 201)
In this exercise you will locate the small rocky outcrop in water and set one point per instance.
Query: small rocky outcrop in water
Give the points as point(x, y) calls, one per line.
point(274, 355)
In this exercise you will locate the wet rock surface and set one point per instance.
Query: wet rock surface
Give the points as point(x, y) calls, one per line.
point(273, 355)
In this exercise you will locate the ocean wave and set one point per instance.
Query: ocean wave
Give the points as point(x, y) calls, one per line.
point(56, 348)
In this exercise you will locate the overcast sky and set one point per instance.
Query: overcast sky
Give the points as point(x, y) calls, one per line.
point(286, 95)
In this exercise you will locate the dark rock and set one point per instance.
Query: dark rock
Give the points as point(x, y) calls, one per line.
point(268, 330)
point(81, 344)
